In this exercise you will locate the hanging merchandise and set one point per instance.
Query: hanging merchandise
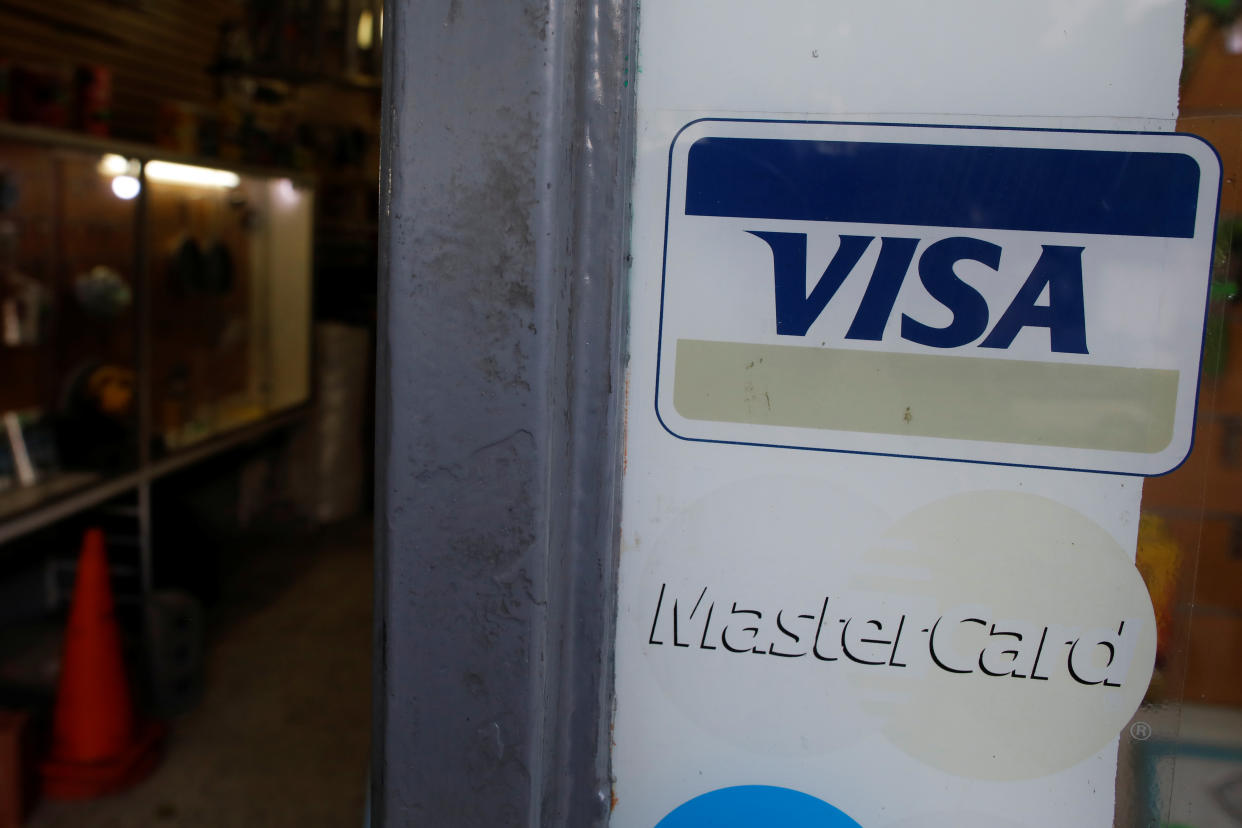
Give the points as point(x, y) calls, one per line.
point(102, 292)
point(29, 441)
point(8, 469)
point(185, 266)
point(42, 94)
point(8, 181)
point(95, 421)
point(94, 99)
point(24, 302)
point(216, 276)
point(6, 75)
point(26, 475)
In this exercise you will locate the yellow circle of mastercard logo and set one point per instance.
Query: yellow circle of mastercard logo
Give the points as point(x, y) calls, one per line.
point(1038, 641)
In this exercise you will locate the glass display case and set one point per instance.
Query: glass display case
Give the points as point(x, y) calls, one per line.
point(230, 301)
point(68, 349)
point(147, 305)
point(1183, 752)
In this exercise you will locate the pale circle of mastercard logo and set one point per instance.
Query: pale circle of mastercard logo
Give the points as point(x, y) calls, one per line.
point(991, 635)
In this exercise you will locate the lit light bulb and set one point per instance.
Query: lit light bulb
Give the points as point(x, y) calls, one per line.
point(286, 193)
point(112, 164)
point(366, 29)
point(194, 176)
point(125, 187)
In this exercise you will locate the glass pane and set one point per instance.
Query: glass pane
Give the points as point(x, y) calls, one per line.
point(1185, 747)
point(67, 323)
point(230, 279)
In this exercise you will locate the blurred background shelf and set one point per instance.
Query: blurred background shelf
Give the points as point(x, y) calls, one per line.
point(18, 501)
point(155, 310)
point(27, 509)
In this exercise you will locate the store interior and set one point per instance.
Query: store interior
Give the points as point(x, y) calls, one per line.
point(188, 230)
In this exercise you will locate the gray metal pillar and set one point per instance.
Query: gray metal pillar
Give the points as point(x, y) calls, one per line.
point(506, 152)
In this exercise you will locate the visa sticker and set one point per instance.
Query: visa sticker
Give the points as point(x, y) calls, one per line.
point(1022, 297)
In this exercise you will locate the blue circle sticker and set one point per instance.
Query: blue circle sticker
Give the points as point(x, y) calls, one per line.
point(756, 806)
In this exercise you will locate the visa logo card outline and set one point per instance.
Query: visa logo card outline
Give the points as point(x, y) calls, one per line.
point(939, 216)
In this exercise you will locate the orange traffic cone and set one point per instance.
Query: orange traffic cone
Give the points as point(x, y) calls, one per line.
point(97, 747)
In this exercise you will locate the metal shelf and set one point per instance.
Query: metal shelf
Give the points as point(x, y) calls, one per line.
point(77, 491)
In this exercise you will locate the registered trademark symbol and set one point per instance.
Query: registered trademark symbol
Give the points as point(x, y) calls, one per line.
point(1140, 731)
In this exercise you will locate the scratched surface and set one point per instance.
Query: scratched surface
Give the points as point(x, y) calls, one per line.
point(501, 254)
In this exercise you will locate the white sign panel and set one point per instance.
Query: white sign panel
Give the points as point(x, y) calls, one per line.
point(1029, 297)
point(892, 390)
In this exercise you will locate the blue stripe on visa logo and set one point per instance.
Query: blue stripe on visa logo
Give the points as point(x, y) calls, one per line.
point(1097, 192)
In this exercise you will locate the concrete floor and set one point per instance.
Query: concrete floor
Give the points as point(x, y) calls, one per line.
point(281, 737)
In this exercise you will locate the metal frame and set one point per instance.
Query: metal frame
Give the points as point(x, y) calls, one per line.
point(507, 146)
